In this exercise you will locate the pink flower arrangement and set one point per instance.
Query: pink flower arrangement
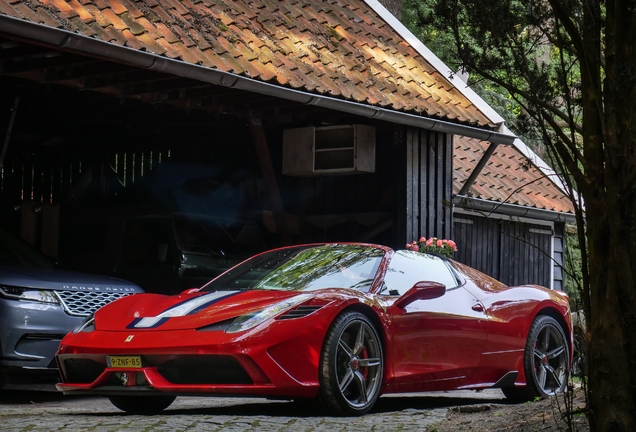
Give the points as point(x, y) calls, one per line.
point(433, 245)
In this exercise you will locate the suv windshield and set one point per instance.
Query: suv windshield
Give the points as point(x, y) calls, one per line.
point(304, 268)
point(16, 252)
point(214, 236)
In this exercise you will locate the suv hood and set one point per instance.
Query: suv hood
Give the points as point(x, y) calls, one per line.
point(54, 279)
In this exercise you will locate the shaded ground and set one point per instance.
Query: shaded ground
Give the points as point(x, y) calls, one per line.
point(539, 416)
point(22, 411)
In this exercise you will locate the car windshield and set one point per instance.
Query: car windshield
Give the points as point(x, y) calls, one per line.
point(16, 252)
point(304, 268)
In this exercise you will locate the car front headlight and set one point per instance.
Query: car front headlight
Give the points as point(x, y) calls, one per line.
point(249, 321)
point(86, 326)
point(29, 294)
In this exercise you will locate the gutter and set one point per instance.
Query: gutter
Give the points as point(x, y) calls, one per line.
point(74, 42)
point(514, 210)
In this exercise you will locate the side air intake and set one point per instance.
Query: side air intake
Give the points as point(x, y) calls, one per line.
point(299, 312)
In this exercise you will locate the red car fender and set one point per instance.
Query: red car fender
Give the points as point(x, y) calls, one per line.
point(510, 322)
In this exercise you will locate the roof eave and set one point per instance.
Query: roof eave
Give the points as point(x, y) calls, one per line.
point(514, 210)
point(83, 44)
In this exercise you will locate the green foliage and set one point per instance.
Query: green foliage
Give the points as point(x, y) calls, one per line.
point(493, 41)
point(573, 266)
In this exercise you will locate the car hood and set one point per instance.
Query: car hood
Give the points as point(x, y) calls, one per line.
point(53, 279)
point(186, 311)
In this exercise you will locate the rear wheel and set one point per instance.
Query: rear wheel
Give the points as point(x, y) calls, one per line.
point(142, 404)
point(546, 359)
point(351, 365)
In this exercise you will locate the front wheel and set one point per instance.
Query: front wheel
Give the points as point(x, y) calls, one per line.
point(351, 365)
point(546, 359)
point(146, 405)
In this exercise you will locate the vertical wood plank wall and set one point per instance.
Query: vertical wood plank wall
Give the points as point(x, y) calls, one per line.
point(559, 256)
point(428, 184)
point(515, 253)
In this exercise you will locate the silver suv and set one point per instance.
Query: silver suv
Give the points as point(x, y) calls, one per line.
point(39, 304)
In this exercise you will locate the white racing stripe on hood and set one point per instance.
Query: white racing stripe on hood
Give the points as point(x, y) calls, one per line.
point(184, 308)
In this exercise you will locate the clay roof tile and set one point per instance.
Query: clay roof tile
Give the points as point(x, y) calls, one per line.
point(500, 181)
point(336, 47)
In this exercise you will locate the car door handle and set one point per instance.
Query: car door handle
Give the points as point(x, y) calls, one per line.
point(478, 307)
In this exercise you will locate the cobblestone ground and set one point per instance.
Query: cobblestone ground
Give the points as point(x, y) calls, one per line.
point(38, 411)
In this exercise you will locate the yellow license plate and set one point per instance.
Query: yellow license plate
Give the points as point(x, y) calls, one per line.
point(123, 361)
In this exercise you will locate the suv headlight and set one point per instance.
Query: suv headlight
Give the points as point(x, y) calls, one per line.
point(246, 322)
point(29, 294)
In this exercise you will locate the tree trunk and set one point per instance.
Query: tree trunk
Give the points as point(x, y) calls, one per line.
point(612, 401)
point(611, 221)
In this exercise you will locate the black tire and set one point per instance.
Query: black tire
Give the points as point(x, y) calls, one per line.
point(146, 405)
point(546, 361)
point(351, 366)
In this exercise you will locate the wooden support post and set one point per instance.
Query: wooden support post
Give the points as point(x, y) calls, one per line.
point(28, 222)
point(50, 229)
point(7, 137)
point(265, 161)
point(480, 166)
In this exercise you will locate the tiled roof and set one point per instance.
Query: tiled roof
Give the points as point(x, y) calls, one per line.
point(508, 177)
point(343, 49)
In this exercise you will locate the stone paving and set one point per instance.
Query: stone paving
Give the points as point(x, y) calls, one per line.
point(38, 411)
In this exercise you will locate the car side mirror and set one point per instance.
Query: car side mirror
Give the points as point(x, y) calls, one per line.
point(425, 290)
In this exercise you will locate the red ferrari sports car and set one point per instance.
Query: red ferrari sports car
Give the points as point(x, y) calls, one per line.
point(340, 322)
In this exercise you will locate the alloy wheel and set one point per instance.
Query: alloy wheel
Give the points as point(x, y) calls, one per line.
point(550, 360)
point(358, 364)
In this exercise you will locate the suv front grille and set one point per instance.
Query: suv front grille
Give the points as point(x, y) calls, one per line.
point(80, 303)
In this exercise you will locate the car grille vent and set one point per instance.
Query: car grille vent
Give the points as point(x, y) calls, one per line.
point(204, 369)
point(218, 326)
point(82, 371)
point(299, 312)
point(80, 303)
point(44, 336)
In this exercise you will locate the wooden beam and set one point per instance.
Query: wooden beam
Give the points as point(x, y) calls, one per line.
point(480, 166)
point(269, 175)
point(7, 137)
